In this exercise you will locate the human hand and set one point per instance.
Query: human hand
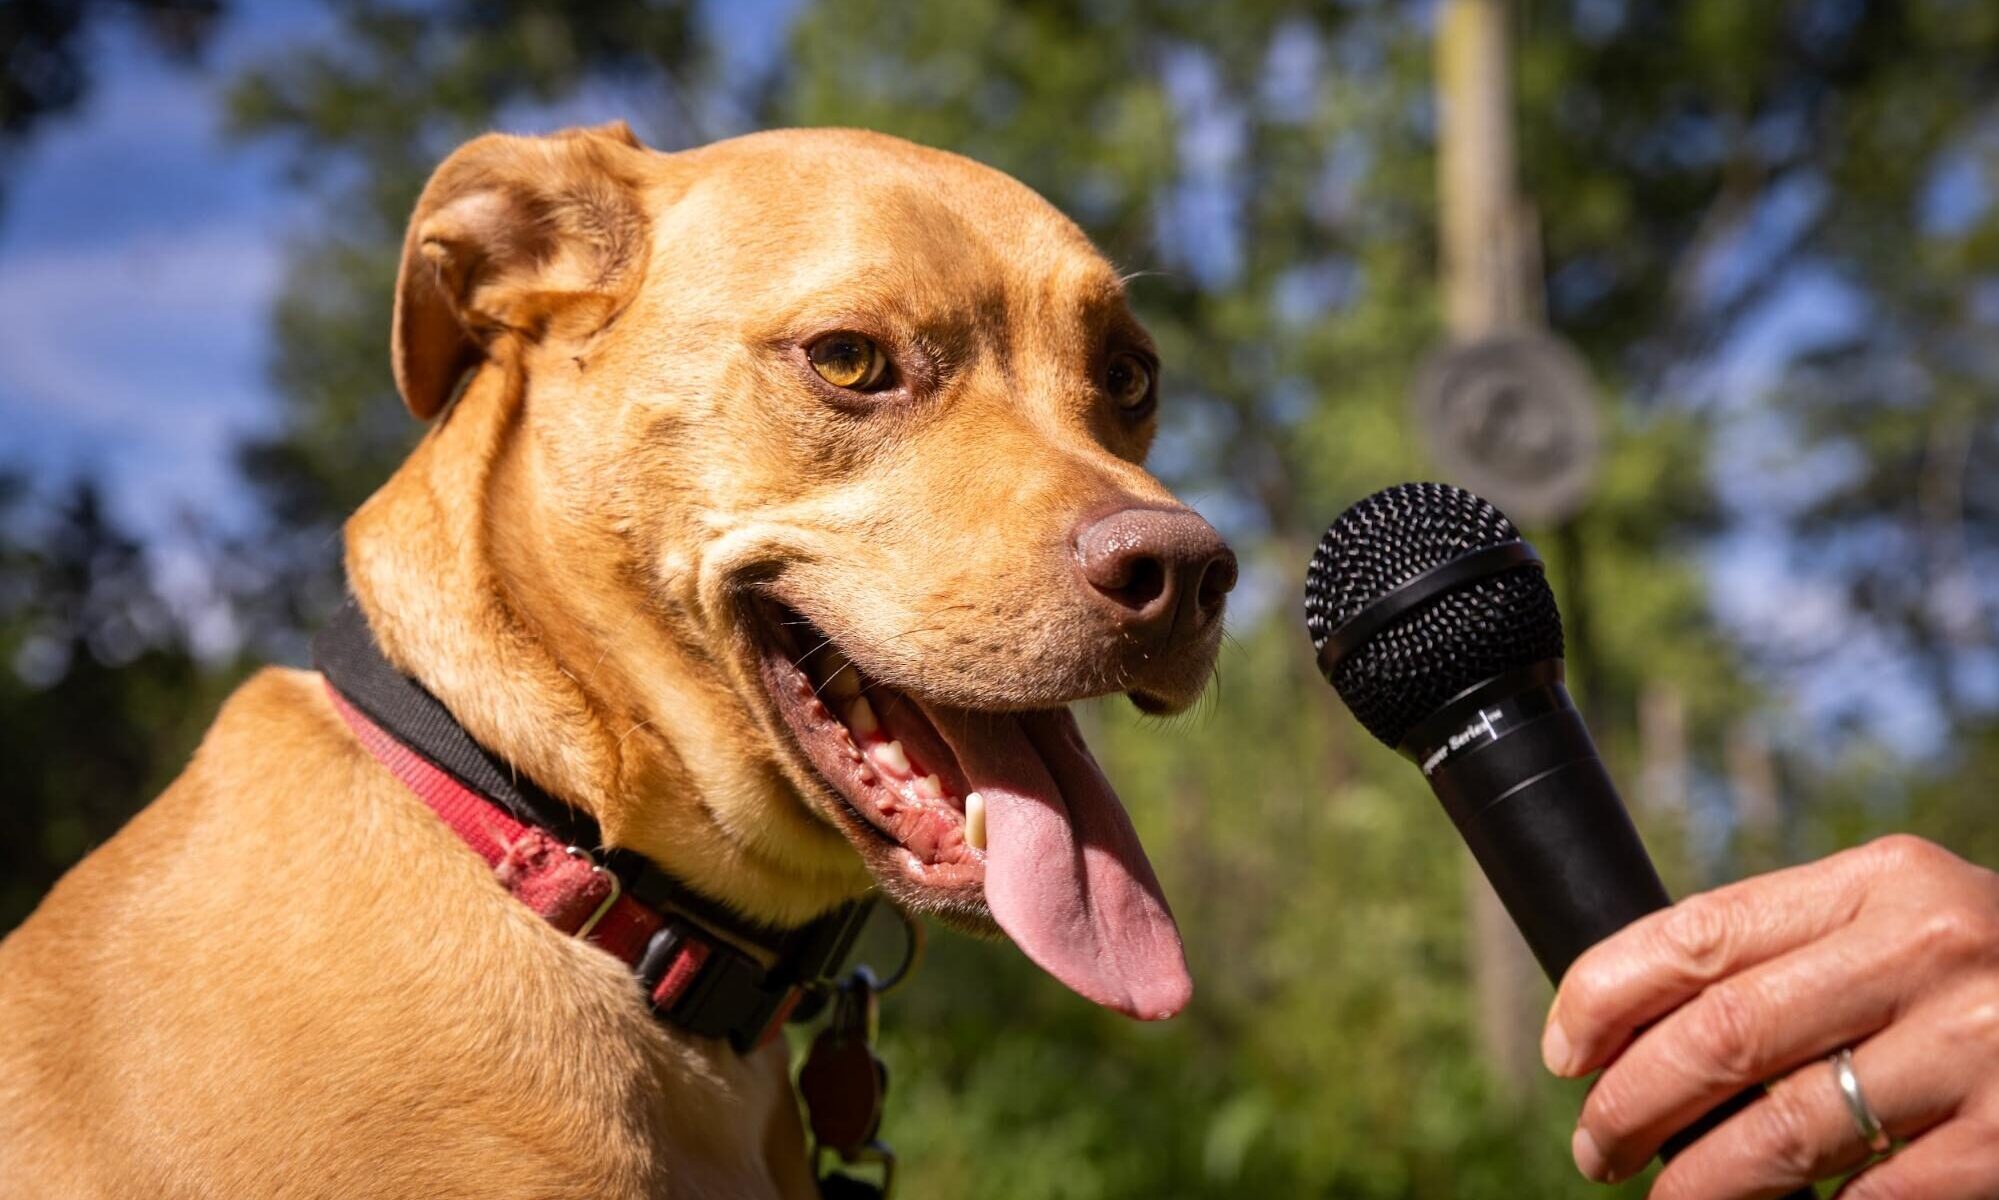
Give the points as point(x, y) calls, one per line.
point(1891, 949)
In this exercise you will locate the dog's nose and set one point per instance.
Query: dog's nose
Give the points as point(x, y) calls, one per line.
point(1162, 568)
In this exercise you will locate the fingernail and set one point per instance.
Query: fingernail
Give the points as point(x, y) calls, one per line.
point(1556, 1051)
point(1589, 1157)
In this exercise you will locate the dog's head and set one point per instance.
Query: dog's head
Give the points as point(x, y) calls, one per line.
point(826, 454)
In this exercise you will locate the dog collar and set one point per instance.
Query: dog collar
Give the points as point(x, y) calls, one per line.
point(692, 955)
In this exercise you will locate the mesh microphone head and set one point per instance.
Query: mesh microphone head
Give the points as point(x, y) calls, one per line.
point(1461, 638)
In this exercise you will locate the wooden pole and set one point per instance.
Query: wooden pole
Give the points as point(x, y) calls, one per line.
point(1489, 288)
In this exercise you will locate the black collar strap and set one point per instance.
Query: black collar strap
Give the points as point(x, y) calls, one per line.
point(732, 994)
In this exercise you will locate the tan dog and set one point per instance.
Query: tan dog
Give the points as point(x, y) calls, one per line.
point(766, 457)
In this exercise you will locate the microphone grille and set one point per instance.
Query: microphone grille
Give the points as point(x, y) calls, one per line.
point(1461, 638)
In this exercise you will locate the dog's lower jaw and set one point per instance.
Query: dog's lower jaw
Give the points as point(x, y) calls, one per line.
point(725, 850)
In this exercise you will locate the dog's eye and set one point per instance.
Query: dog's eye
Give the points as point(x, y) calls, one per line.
point(1128, 379)
point(848, 360)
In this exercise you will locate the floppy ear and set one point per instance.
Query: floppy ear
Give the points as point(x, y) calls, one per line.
point(528, 237)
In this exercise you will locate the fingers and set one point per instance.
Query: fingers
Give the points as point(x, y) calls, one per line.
point(1959, 1161)
point(1742, 1031)
point(1803, 1131)
point(1660, 962)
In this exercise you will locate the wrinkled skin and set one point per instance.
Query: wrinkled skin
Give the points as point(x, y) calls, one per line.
point(1891, 949)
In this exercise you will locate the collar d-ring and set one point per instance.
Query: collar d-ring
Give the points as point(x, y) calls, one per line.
point(913, 942)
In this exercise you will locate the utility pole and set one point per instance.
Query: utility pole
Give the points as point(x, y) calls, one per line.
point(1491, 288)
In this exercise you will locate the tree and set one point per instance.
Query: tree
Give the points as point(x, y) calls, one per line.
point(368, 119)
point(100, 698)
point(44, 52)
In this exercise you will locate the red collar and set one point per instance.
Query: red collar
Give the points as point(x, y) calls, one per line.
point(695, 978)
point(563, 884)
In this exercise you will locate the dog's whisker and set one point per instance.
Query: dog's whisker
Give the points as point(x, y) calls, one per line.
point(800, 660)
point(609, 642)
point(835, 675)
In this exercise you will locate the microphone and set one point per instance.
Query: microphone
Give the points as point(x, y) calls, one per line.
point(1433, 620)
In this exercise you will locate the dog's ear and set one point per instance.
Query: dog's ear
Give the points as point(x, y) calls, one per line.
point(528, 237)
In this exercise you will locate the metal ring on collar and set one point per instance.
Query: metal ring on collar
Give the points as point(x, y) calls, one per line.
point(912, 931)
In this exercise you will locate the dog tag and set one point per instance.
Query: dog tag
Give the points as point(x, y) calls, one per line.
point(844, 1084)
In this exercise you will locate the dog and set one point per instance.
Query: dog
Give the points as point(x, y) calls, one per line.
point(778, 497)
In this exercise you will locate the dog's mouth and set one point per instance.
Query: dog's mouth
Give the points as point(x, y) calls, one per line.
point(975, 813)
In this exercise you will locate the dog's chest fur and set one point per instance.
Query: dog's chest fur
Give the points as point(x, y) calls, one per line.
point(287, 978)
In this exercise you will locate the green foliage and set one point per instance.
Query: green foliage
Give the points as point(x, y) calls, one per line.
point(1265, 169)
point(100, 700)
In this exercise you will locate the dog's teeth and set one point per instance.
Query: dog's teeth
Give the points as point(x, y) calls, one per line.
point(930, 787)
point(861, 717)
point(975, 820)
point(891, 757)
point(853, 751)
point(842, 680)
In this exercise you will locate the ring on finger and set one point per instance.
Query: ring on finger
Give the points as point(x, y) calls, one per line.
point(1865, 1119)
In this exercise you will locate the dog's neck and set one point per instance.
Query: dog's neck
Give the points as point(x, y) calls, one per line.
point(474, 590)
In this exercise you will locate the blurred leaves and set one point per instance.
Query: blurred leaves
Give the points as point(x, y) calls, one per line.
point(1704, 170)
point(46, 49)
point(100, 699)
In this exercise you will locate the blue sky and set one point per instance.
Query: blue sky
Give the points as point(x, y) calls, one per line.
point(140, 250)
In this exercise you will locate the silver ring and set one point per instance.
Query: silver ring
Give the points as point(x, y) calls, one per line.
point(1864, 1117)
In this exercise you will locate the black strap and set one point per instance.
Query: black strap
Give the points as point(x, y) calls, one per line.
point(735, 995)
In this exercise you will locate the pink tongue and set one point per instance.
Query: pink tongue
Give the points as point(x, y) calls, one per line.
point(1065, 875)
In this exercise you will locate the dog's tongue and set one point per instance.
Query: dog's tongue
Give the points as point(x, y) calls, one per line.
point(1065, 875)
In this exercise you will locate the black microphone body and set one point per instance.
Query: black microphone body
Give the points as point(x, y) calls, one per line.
point(1433, 621)
point(1519, 775)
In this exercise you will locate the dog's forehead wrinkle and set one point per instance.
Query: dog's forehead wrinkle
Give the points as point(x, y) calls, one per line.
point(857, 200)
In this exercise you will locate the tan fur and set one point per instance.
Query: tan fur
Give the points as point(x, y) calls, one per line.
point(286, 978)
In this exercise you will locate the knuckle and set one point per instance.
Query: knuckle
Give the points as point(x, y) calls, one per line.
point(1727, 1023)
point(1609, 1114)
point(1701, 933)
point(1784, 1131)
point(1975, 1027)
point(1898, 852)
point(1956, 931)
